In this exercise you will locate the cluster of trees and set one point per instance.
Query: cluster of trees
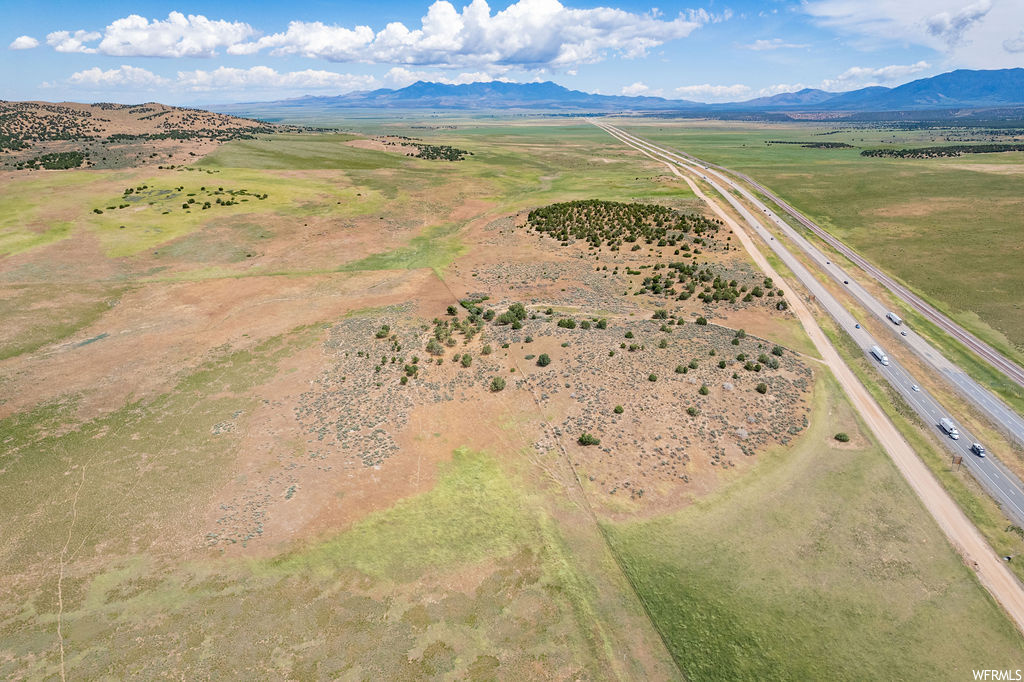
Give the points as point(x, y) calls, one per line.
point(439, 152)
point(813, 145)
point(220, 196)
point(11, 142)
point(614, 223)
point(445, 330)
point(28, 122)
point(702, 282)
point(217, 134)
point(948, 150)
point(514, 316)
point(54, 161)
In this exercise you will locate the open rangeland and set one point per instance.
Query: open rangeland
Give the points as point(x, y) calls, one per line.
point(313, 409)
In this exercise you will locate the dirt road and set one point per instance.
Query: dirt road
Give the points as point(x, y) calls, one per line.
point(965, 538)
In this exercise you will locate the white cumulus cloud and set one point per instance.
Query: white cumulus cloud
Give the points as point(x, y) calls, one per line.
point(266, 78)
point(23, 43)
point(400, 76)
point(779, 88)
point(640, 88)
point(68, 41)
point(312, 39)
point(176, 36)
point(862, 76)
point(707, 92)
point(528, 33)
point(223, 78)
point(128, 77)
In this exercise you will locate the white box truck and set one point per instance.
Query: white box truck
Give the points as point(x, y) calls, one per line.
point(894, 318)
point(880, 355)
point(947, 425)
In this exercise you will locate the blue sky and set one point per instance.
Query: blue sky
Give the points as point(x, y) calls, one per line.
point(213, 52)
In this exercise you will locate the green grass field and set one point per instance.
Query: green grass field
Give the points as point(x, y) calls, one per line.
point(823, 566)
point(300, 152)
point(946, 227)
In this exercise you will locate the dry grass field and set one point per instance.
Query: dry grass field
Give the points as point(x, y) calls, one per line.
point(313, 409)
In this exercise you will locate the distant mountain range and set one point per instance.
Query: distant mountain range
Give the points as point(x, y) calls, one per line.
point(956, 89)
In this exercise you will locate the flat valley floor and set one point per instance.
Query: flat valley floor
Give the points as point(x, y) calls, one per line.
point(283, 413)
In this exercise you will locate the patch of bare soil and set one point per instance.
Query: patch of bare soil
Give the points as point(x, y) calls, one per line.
point(916, 209)
point(337, 435)
point(157, 331)
point(994, 168)
point(384, 144)
point(331, 445)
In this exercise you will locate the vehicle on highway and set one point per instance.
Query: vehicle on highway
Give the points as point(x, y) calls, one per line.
point(916, 388)
point(903, 333)
point(894, 318)
point(978, 449)
point(857, 325)
point(846, 281)
point(947, 425)
point(880, 355)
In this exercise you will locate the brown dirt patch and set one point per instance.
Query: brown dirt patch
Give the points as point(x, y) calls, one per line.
point(143, 354)
point(994, 168)
point(384, 144)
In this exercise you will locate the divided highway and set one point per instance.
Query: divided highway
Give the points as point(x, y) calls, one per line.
point(1001, 484)
point(1002, 415)
point(1009, 368)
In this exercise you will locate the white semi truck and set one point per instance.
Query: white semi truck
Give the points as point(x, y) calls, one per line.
point(947, 425)
point(894, 318)
point(880, 355)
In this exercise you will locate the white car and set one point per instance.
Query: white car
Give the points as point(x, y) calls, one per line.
point(978, 449)
point(903, 333)
point(915, 387)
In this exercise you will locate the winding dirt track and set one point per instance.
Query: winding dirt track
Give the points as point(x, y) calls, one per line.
point(962, 534)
